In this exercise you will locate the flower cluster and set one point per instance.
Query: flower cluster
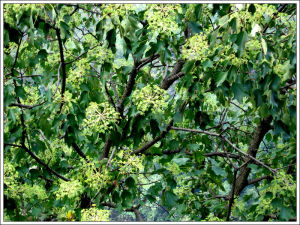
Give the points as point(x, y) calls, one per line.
point(161, 18)
point(99, 118)
point(196, 48)
point(228, 55)
point(10, 179)
point(77, 75)
point(94, 214)
point(71, 189)
point(115, 10)
point(126, 162)
point(150, 97)
point(90, 177)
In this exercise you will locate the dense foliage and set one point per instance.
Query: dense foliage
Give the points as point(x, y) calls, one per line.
point(159, 112)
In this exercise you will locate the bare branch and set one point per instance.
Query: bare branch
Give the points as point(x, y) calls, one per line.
point(268, 177)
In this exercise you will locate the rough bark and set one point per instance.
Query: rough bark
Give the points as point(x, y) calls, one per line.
point(175, 74)
point(261, 130)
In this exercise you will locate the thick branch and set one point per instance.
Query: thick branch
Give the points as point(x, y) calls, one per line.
point(175, 74)
point(261, 130)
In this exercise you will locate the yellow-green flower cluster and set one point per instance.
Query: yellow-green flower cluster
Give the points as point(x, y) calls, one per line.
point(115, 10)
point(161, 18)
point(77, 75)
point(127, 162)
point(243, 15)
point(12, 12)
point(90, 177)
point(71, 189)
point(150, 97)
point(210, 101)
point(34, 192)
point(196, 48)
point(95, 215)
point(253, 47)
point(10, 179)
point(99, 118)
point(227, 55)
point(32, 96)
point(101, 54)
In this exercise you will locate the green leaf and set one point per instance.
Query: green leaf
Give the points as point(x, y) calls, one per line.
point(198, 11)
point(169, 199)
point(275, 83)
point(42, 54)
point(127, 199)
point(116, 197)
point(36, 211)
point(181, 161)
point(208, 64)
point(223, 20)
point(178, 117)
point(188, 66)
point(258, 98)
point(150, 198)
point(195, 27)
point(238, 91)
point(242, 38)
point(252, 9)
point(20, 92)
point(111, 38)
point(220, 78)
point(218, 170)
point(130, 183)
point(264, 46)
point(286, 213)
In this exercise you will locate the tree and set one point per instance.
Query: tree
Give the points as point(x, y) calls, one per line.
point(178, 112)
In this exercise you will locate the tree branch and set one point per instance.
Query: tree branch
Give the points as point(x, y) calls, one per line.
point(63, 67)
point(232, 195)
point(268, 177)
point(175, 74)
point(155, 140)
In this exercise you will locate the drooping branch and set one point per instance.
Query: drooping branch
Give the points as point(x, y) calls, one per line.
point(82, 54)
point(195, 131)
